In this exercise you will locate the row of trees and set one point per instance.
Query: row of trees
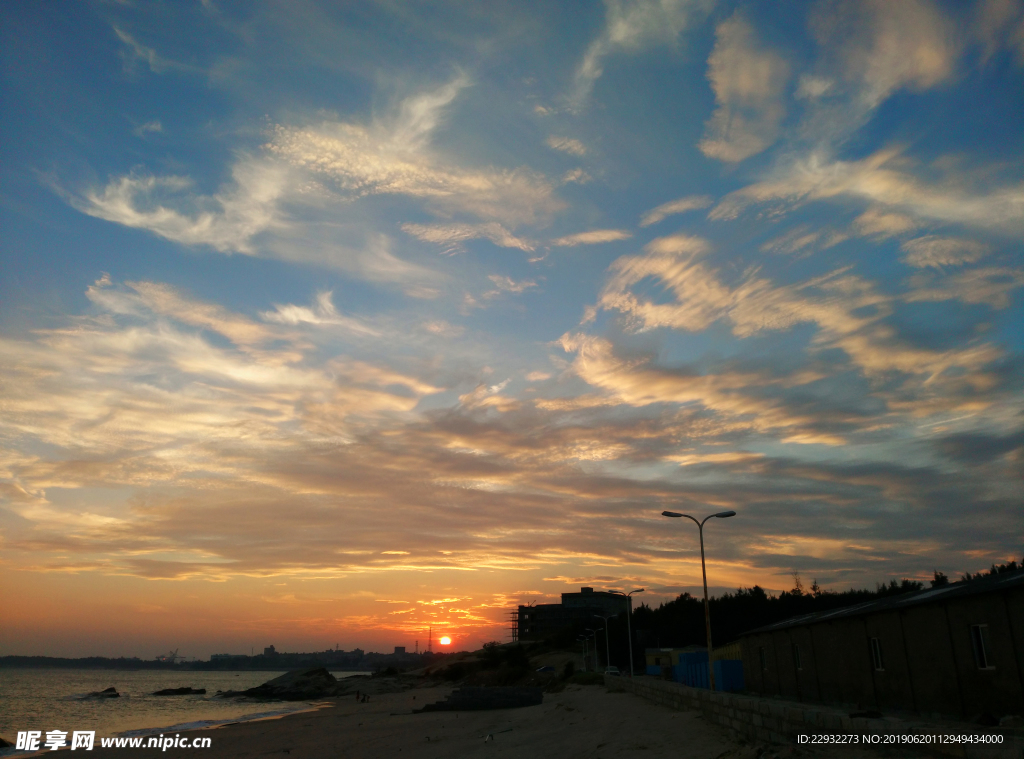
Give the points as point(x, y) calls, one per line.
point(681, 622)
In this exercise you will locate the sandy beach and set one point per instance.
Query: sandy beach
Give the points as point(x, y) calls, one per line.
point(580, 721)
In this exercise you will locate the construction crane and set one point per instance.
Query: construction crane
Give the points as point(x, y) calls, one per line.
point(170, 656)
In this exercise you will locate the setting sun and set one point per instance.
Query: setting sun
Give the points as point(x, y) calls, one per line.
point(445, 641)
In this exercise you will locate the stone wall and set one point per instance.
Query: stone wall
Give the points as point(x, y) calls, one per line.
point(777, 721)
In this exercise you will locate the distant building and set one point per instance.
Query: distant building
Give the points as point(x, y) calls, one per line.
point(955, 650)
point(399, 649)
point(269, 651)
point(227, 657)
point(576, 609)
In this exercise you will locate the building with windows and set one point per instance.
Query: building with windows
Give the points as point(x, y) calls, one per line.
point(577, 609)
point(955, 650)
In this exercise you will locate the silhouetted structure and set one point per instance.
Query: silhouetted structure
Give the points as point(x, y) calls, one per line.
point(956, 649)
point(544, 620)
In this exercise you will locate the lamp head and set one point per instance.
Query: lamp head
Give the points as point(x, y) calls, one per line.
point(670, 514)
point(725, 514)
point(638, 590)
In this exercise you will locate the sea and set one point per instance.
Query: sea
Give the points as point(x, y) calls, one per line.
point(55, 699)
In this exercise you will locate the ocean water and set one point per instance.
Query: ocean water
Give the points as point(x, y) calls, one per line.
point(51, 699)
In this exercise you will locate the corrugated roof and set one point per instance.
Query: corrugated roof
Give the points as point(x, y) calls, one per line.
point(994, 584)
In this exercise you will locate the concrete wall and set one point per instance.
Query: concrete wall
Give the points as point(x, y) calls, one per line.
point(928, 668)
point(776, 721)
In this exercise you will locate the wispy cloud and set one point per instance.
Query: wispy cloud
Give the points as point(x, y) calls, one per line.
point(749, 83)
point(566, 145)
point(226, 221)
point(135, 52)
point(631, 26)
point(451, 236)
point(323, 313)
point(394, 157)
point(592, 237)
point(933, 250)
point(681, 205)
point(885, 179)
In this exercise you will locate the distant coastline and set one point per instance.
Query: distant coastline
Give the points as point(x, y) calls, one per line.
point(280, 661)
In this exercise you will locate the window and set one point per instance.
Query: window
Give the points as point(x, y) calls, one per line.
point(763, 658)
point(876, 655)
point(796, 656)
point(982, 646)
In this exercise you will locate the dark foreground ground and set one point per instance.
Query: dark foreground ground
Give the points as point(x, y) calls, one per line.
point(581, 721)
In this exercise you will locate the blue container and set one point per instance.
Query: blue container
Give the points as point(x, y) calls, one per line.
point(729, 675)
point(692, 670)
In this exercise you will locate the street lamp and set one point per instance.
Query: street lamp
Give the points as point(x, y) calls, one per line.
point(583, 639)
point(607, 653)
point(629, 613)
point(707, 611)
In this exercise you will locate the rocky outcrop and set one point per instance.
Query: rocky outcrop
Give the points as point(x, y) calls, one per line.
point(300, 685)
point(180, 692)
point(469, 698)
point(108, 693)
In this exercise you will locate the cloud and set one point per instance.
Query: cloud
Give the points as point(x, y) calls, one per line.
point(579, 176)
point(309, 169)
point(999, 24)
point(136, 52)
point(632, 26)
point(149, 126)
point(878, 223)
point(227, 221)
point(508, 285)
point(566, 145)
point(323, 313)
point(794, 241)
point(881, 47)
point(394, 157)
point(681, 205)
point(847, 311)
point(988, 285)
point(453, 235)
point(936, 251)
point(887, 181)
point(867, 52)
point(749, 84)
point(285, 459)
point(591, 238)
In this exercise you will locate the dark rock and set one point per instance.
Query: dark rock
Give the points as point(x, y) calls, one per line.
point(180, 692)
point(469, 698)
point(108, 693)
point(5, 744)
point(300, 685)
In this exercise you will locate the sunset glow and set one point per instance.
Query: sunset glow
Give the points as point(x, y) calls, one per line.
point(336, 324)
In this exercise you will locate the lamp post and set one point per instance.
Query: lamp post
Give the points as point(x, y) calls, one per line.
point(707, 611)
point(607, 651)
point(629, 613)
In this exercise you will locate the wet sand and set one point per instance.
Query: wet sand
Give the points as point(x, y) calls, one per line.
point(581, 721)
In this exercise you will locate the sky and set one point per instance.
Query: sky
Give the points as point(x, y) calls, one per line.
point(325, 323)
